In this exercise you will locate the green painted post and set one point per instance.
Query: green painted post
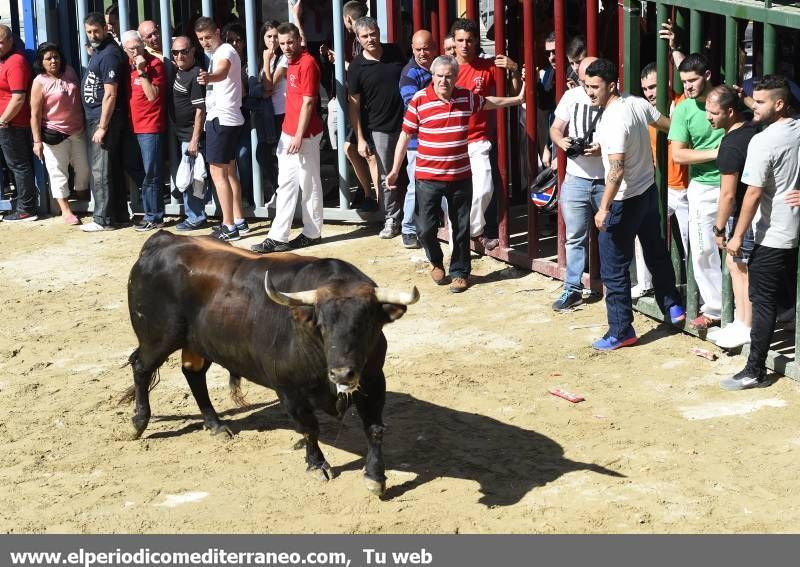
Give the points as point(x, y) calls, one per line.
point(695, 31)
point(770, 49)
point(731, 51)
point(679, 26)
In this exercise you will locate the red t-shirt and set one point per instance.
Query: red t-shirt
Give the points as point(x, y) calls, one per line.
point(478, 77)
point(441, 128)
point(302, 79)
point(147, 117)
point(15, 77)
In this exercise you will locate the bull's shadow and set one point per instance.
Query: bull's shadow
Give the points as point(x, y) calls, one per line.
point(433, 441)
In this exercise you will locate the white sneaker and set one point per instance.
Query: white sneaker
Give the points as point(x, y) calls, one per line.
point(638, 291)
point(733, 336)
point(94, 227)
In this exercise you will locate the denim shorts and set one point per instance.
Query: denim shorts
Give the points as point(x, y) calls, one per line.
point(748, 241)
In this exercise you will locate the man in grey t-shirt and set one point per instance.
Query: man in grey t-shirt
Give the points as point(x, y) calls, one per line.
point(771, 205)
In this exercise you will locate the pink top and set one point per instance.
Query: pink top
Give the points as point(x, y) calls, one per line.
point(61, 109)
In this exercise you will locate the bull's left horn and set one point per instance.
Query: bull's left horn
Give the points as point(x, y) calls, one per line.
point(289, 299)
point(397, 297)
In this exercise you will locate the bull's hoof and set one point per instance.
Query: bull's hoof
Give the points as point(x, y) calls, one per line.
point(321, 472)
point(376, 487)
point(139, 425)
point(300, 444)
point(220, 428)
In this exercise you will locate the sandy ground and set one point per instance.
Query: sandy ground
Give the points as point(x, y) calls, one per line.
point(474, 442)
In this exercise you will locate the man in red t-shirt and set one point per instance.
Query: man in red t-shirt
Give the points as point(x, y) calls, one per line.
point(15, 125)
point(298, 151)
point(147, 92)
point(478, 75)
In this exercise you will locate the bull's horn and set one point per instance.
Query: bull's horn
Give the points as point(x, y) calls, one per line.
point(397, 297)
point(289, 299)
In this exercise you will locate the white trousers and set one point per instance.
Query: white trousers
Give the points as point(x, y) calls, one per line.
point(481, 184)
point(703, 204)
point(678, 205)
point(298, 173)
point(57, 160)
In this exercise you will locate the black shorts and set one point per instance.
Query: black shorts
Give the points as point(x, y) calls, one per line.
point(222, 142)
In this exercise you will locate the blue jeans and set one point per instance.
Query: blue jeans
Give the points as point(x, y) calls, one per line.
point(579, 200)
point(15, 143)
point(408, 226)
point(152, 200)
point(636, 216)
point(194, 207)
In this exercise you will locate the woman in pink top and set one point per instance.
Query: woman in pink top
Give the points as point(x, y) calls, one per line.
point(58, 127)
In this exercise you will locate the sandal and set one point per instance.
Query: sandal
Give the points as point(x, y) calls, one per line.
point(704, 322)
point(72, 220)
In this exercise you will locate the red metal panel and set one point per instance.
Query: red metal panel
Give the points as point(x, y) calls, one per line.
point(434, 19)
point(419, 15)
point(392, 19)
point(529, 36)
point(561, 85)
point(502, 127)
point(591, 28)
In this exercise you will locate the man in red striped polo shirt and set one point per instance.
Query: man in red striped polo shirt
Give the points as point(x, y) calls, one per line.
point(439, 117)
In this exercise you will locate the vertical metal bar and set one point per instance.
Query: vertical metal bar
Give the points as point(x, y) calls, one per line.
point(29, 23)
point(472, 10)
point(529, 34)
point(679, 26)
point(630, 71)
point(731, 77)
point(383, 19)
point(433, 17)
point(620, 45)
point(418, 16)
point(392, 18)
point(559, 25)
point(14, 15)
point(591, 28)
point(124, 18)
point(208, 8)
point(444, 20)
point(82, 33)
point(252, 72)
point(341, 105)
point(502, 126)
point(41, 23)
point(695, 31)
point(770, 50)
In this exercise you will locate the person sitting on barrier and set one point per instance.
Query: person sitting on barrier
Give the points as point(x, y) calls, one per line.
point(677, 181)
point(629, 207)
point(477, 75)
point(298, 151)
point(695, 143)
point(187, 110)
point(146, 98)
point(440, 117)
point(573, 130)
point(722, 108)
point(59, 138)
point(223, 82)
point(771, 205)
point(151, 35)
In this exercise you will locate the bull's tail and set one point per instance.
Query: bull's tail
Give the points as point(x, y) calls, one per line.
point(235, 385)
point(130, 394)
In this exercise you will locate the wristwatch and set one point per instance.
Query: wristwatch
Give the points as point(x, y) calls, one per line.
point(718, 231)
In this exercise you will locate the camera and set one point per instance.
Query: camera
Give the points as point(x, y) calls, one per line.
point(578, 146)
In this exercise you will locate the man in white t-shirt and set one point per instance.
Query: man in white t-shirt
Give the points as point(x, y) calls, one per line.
point(629, 207)
point(224, 120)
point(583, 186)
point(771, 173)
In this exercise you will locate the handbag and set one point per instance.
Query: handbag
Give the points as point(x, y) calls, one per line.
point(52, 137)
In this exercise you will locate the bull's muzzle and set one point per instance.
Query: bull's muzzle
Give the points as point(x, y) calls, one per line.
point(346, 379)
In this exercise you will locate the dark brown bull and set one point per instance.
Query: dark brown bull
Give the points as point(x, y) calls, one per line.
point(309, 328)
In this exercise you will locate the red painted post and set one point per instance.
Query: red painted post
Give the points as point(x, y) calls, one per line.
point(418, 15)
point(502, 126)
point(529, 36)
point(391, 20)
point(591, 28)
point(561, 86)
point(472, 10)
point(434, 19)
point(444, 20)
point(620, 45)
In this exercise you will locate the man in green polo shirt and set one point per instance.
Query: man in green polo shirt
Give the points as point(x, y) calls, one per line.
point(695, 143)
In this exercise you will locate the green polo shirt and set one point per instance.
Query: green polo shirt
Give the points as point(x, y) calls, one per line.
point(690, 126)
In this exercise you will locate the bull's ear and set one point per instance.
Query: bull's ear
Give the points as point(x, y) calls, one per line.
point(303, 314)
point(393, 311)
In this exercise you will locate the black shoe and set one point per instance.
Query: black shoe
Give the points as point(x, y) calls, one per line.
point(243, 227)
point(302, 241)
point(270, 245)
point(185, 226)
point(147, 226)
point(20, 216)
point(744, 380)
point(567, 300)
point(410, 241)
point(226, 234)
point(369, 205)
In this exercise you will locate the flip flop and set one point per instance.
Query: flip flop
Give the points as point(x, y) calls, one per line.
point(72, 220)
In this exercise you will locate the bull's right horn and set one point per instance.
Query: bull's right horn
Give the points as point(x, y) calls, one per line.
point(397, 297)
point(289, 299)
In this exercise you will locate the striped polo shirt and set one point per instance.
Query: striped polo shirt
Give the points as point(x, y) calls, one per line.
point(442, 128)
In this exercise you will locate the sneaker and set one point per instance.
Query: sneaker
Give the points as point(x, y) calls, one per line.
point(226, 234)
point(567, 300)
point(438, 276)
point(733, 336)
point(147, 226)
point(677, 314)
point(390, 229)
point(744, 380)
point(269, 246)
point(410, 241)
point(243, 227)
point(459, 285)
point(95, 227)
point(20, 217)
point(185, 226)
point(638, 291)
point(368, 205)
point(303, 241)
point(613, 343)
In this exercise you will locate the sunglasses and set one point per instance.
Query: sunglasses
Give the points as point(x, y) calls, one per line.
point(176, 52)
point(550, 51)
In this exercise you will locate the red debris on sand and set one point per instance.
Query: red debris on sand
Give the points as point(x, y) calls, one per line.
point(569, 396)
point(703, 352)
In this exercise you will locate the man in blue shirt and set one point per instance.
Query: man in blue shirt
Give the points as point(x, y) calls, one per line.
point(416, 75)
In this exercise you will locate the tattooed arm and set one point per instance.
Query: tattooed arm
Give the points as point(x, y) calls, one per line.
point(616, 171)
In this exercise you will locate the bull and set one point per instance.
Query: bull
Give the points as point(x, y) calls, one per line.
point(309, 328)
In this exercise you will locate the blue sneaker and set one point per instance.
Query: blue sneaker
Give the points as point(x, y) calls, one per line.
point(613, 343)
point(185, 225)
point(677, 314)
point(243, 227)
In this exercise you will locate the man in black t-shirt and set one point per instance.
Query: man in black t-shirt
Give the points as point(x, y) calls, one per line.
point(187, 110)
point(722, 110)
point(376, 110)
point(105, 102)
